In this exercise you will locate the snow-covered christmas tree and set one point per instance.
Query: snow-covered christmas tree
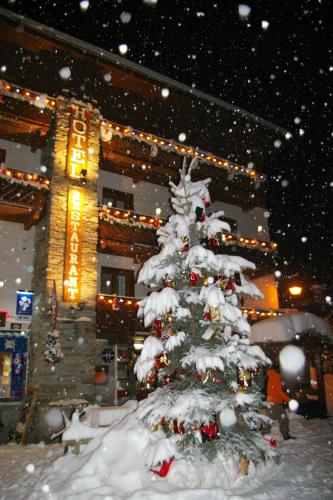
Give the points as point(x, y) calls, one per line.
point(198, 358)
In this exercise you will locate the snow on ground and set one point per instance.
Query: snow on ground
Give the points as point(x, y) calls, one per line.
point(110, 468)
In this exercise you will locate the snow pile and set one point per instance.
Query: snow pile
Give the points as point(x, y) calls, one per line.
point(113, 466)
point(105, 416)
point(285, 328)
point(117, 465)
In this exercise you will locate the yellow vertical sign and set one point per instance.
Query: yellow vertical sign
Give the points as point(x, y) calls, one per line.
point(72, 271)
point(77, 153)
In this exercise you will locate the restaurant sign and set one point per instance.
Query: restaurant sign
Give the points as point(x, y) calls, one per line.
point(77, 154)
point(72, 274)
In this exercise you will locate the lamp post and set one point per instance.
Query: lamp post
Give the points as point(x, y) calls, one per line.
point(295, 290)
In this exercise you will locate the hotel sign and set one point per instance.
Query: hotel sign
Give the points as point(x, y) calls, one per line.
point(77, 154)
point(72, 275)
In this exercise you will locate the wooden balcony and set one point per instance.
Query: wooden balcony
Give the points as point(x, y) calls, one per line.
point(132, 234)
point(22, 196)
point(117, 322)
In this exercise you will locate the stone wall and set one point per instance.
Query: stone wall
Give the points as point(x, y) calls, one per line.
point(73, 376)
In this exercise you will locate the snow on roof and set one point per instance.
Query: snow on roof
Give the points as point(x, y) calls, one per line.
point(284, 328)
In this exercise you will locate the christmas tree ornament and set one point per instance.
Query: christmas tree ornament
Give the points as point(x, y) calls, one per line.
point(227, 417)
point(230, 285)
point(157, 425)
point(215, 313)
point(204, 376)
point(209, 333)
point(185, 241)
point(243, 466)
point(213, 242)
point(194, 279)
point(244, 379)
point(157, 328)
point(167, 282)
point(165, 467)
point(223, 283)
point(209, 432)
point(176, 427)
point(207, 316)
point(162, 362)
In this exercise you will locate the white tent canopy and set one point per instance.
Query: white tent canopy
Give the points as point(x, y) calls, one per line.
point(284, 328)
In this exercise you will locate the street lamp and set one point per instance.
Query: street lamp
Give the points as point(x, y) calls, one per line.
point(295, 290)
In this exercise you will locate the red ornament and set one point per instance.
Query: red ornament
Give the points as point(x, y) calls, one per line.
point(230, 285)
point(164, 470)
point(207, 203)
point(202, 218)
point(157, 328)
point(209, 432)
point(194, 279)
point(186, 247)
point(207, 316)
point(87, 114)
point(213, 242)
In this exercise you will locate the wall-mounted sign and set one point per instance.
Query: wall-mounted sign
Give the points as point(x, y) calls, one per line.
point(24, 305)
point(77, 153)
point(72, 274)
point(108, 355)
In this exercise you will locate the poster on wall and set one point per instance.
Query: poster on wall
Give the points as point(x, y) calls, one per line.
point(24, 302)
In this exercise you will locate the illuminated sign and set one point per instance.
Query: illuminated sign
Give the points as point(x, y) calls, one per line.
point(72, 277)
point(77, 153)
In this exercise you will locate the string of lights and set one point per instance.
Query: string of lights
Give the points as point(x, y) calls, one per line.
point(108, 129)
point(24, 177)
point(117, 302)
point(126, 217)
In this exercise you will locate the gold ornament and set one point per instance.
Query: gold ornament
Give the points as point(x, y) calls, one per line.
point(209, 333)
point(244, 379)
point(243, 466)
point(215, 313)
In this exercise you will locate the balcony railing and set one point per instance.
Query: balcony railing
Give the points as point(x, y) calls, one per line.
point(135, 219)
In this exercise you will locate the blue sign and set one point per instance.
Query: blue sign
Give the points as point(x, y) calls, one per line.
point(24, 305)
point(108, 355)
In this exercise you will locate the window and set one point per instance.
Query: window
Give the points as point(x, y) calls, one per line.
point(117, 199)
point(117, 281)
point(2, 156)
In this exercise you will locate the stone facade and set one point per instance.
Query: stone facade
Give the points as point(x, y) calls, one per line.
point(73, 376)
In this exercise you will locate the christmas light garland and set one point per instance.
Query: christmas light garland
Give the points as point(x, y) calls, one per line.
point(117, 302)
point(25, 178)
point(129, 217)
point(109, 128)
point(37, 99)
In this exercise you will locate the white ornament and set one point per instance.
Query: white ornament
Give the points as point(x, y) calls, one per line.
point(292, 359)
point(227, 417)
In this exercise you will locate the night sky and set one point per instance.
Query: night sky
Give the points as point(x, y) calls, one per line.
point(281, 71)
